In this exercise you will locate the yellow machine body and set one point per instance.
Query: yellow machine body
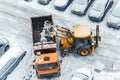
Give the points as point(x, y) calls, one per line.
point(81, 32)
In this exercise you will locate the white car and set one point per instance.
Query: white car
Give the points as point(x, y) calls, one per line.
point(62, 4)
point(10, 60)
point(81, 6)
point(4, 45)
point(83, 74)
point(99, 10)
point(114, 19)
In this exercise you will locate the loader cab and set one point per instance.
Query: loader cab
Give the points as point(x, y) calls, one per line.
point(82, 40)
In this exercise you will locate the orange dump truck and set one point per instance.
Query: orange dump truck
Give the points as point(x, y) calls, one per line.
point(47, 63)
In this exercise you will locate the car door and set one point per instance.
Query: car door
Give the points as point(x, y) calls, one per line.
point(1, 48)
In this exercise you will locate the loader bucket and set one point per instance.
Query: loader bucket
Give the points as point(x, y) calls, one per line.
point(38, 25)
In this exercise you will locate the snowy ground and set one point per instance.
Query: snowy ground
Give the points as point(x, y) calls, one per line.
point(15, 25)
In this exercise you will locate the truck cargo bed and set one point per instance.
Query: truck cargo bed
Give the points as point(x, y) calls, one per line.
point(37, 27)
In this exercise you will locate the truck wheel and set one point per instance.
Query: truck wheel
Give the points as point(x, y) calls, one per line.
point(58, 74)
point(63, 54)
point(84, 51)
point(6, 48)
point(37, 75)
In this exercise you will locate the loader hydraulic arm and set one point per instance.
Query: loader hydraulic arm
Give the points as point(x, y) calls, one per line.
point(57, 35)
point(62, 30)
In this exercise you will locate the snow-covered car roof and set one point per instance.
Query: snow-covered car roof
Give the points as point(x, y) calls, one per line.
point(99, 5)
point(61, 2)
point(116, 10)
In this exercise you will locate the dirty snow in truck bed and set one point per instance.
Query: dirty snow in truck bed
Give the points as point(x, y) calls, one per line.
point(15, 25)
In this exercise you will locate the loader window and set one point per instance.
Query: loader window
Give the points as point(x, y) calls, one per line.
point(47, 66)
point(79, 42)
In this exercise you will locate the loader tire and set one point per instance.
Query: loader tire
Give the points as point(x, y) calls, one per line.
point(84, 51)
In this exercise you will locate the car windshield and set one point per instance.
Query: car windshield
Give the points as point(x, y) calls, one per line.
point(116, 11)
point(47, 66)
point(81, 76)
point(82, 2)
point(99, 6)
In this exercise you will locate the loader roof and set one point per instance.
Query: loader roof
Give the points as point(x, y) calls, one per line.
point(47, 58)
point(81, 32)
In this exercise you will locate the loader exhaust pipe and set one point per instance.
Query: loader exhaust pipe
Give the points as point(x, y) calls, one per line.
point(97, 35)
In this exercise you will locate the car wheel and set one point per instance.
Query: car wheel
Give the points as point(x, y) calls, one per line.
point(6, 48)
point(84, 51)
point(85, 12)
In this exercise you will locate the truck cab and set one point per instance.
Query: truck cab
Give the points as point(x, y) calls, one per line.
point(47, 65)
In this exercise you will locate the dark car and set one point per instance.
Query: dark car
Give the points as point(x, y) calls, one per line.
point(4, 45)
point(81, 6)
point(44, 2)
point(10, 60)
point(99, 10)
point(62, 4)
point(114, 19)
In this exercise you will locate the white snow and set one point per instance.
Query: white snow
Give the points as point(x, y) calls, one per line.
point(15, 25)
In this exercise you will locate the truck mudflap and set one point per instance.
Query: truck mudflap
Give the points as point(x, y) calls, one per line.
point(42, 76)
point(38, 25)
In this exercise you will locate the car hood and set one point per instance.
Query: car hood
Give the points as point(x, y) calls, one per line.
point(60, 2)
point(79, 7)
point(3, 41)
point(113, 19)
point(95, 13)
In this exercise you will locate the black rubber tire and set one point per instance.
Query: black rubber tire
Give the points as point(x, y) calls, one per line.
point(6, 48)
point(63, 53)
point(86, 49)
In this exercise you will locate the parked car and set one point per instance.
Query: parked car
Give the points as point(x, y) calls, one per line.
point(114, 19)
point(99, 10)
point(10, 60)
point(4, 45)
point(62, 4)
point(44, 2)
point(83, 74)
point(81, 6)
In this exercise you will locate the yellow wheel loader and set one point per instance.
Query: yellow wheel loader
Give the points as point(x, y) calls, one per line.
point(80, 39)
